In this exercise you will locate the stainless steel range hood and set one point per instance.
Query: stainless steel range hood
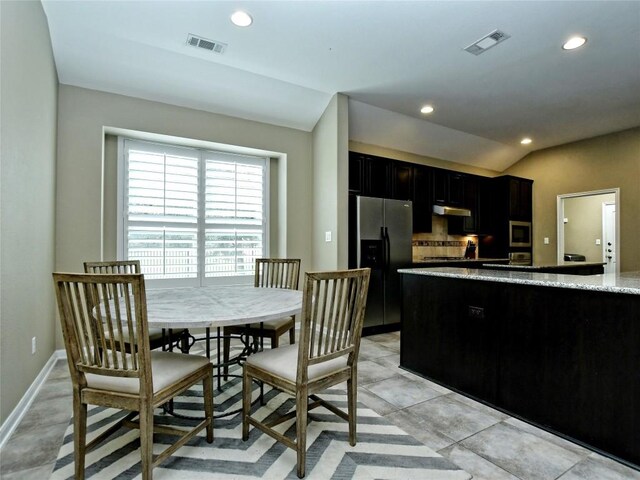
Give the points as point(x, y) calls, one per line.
point(451, 211)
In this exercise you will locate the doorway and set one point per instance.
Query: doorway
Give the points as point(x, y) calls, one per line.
point(588, 227)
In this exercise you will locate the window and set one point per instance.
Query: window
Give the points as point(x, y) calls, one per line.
point(192, 216)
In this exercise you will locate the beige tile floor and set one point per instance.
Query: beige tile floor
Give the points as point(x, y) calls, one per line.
point(483, 441)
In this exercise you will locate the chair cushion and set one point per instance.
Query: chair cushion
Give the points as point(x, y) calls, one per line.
point(167, 368)
point(283, 362)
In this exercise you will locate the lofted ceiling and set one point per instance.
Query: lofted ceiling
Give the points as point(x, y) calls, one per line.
point(388, 57)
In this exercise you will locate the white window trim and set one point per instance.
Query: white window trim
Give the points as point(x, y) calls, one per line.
point(201, 280)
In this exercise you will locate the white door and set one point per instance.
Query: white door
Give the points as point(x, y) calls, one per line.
point(609, 237)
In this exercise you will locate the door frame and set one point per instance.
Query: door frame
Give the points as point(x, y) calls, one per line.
point(615, 233)
point(560, 219)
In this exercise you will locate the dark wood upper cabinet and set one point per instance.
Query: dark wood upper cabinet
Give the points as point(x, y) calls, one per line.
point(401, 181)
point(356, 162)
point(469, 199)
point(422, 199)
point(376, 177)
point(492, 201)
point(486, 208)
point(448, 187)
point(520, 198)
point(369, 175)
point(526, 199)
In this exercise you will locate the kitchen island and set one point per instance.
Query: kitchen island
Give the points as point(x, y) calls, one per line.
point(559, 351)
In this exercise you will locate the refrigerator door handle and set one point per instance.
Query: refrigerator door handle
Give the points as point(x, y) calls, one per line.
point(383, 250)
point(387, 254)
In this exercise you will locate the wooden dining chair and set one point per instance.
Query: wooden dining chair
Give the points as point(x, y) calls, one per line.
point(158, 337)
point(103, 373)
point(269, 273)
point(333, 307)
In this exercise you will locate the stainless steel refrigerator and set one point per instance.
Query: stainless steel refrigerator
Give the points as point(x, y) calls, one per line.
point(383, 228)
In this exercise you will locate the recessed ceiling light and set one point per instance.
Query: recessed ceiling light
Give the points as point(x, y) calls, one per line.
point(525, 141)
point(241, 19)
point(574, 42)
point(426, 109)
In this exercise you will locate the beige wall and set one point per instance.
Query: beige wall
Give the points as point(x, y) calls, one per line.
point(330, 161)
point(584, 225)
point(608, 161)
point(27, 184)
point(83, 113)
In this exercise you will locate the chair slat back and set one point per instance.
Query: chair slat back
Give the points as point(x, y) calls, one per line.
point(277, 273)
point(111, 267)
point(96, 324)
point(332, 316)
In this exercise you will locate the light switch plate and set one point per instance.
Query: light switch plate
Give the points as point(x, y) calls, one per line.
point(598, 242)
point(327, 236)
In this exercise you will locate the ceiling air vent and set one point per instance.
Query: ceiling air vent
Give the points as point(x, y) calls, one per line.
point(211, 45)
point(486, 42)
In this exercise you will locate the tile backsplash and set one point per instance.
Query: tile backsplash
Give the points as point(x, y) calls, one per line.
point(439, 243)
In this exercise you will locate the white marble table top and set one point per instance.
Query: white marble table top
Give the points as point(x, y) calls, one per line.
point(218, 306)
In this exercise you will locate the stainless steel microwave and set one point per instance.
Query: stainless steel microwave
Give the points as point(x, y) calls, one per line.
point(519, 234)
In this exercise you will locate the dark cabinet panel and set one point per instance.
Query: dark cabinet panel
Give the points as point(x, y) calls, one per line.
point(456, 183)
point(486, 208)
point(401, 181)
point(448, 187)
point(440, 186)
point(561, 364)
point(355, 172)
point(376, 177)
point(369, 175)
point(422, 207)
point(449, 334)
point(520, 191)
point(467, 225)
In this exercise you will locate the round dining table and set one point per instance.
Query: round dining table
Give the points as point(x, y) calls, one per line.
point(183, 308)
point(219, 306)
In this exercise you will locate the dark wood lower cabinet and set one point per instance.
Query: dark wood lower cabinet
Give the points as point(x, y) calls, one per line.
point(567, 360)
point(460, 351)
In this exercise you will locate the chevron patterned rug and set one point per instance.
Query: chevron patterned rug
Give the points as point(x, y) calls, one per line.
point(383, 451)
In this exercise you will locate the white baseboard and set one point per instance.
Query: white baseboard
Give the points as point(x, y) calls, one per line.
point(13, 420)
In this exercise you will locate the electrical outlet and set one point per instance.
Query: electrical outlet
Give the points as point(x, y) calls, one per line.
point(327, 236)
point(476, 312)
point(33, 345)
point(546, 240)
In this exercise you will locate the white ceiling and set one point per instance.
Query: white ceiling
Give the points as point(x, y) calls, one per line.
point(389, 57)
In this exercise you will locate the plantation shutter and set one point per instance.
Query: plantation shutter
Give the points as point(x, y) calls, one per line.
point(234, 215)
point(192, 213)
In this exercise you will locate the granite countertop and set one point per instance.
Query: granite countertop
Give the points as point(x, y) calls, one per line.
point(476, 260)
point(567, 265)
point(628, 282)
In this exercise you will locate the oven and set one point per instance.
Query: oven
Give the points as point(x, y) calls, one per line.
point(520, 258)
point(519, 234)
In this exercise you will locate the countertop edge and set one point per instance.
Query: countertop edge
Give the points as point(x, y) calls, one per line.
point(553, 280)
